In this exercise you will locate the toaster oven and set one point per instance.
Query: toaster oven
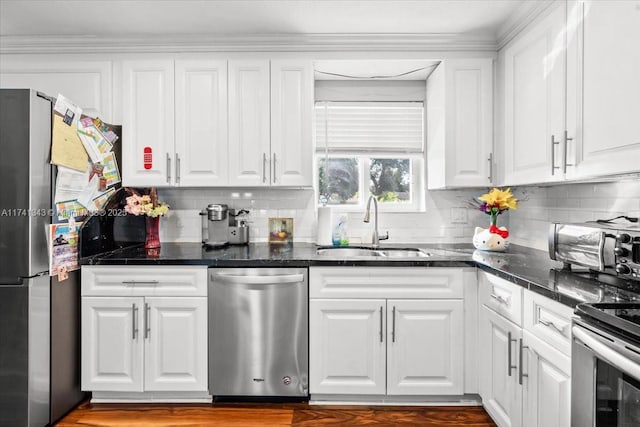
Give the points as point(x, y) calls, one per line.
point(606, 248)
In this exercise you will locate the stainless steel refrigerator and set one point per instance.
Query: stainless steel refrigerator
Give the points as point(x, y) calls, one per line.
point(39, 316)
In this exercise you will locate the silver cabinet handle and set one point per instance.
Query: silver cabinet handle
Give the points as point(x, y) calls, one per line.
point(168, 169)
point(501, 300)
point(566, 140)
point(147, 323)
point(140, 282)
point(177, 168)
point(490, 159)
point(553, 154)
point(509, 365)
point(393, 325)
point(134, 322)
point(521, 373)
point(551, 325)
point(259, 280)
point(274, 168)
point(381, 325)
point(264, 167)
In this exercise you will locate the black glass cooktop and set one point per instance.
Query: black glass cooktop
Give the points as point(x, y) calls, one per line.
point(618, 317)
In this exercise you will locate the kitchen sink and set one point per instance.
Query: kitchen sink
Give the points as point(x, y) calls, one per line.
point(389, 253)
point(349, 252)
point(404, 253)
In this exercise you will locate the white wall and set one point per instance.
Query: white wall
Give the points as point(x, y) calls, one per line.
point(183, 224)
point(529, 224)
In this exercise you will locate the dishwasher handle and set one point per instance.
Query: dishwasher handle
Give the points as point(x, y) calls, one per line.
point(259, 279)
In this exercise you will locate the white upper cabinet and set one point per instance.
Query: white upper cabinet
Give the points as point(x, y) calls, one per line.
point(291, 123)
point(270, 123)
point(534, 102)
point(249, 123)
point(87, 83)
point(147, 123)
point(196, 155)
point(241, 123)
point(201, 123)
point(604, 88)
point(459, 127)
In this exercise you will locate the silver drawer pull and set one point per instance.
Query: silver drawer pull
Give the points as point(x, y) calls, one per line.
point(147, 321)
point(521, 373)
point(510, 367)
point(501, 300)
point(134, 322)
point(552, 325)
point(140, 282)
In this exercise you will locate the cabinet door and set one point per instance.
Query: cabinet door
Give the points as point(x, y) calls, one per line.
point(534, 102)
point(112, 344)
point(147, 123)
point(460, 142)
point(604, 90)
point(547, 391)
point(501, 394)
point(201, 123)
point(291, 123)
point(175, 336)
point(249, 129)
point(425, 347)
point(347, 346)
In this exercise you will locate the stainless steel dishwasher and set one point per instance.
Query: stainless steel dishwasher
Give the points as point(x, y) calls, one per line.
point(258, 332)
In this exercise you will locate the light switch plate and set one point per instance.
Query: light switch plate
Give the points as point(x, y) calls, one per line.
point(458, 215)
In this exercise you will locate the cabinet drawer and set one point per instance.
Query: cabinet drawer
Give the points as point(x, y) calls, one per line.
point(501, 296)
point(385, 282)
point(548, 320)
point(144, 281)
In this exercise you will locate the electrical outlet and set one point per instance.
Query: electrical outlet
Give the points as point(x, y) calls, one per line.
point(458, 215)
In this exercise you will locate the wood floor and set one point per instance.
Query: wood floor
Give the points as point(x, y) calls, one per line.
point(273, 414)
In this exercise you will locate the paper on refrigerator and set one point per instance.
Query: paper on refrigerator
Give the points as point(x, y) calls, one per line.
point(70, 183)
point(63, 248)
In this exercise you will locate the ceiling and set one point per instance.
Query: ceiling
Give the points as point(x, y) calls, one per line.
point(111, 18)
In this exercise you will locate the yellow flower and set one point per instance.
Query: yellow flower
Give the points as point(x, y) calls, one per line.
point(501, 199)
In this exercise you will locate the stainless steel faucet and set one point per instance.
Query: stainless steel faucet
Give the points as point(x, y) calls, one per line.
point(375, 238)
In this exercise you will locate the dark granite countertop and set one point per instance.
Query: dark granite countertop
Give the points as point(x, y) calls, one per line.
point(530, 268)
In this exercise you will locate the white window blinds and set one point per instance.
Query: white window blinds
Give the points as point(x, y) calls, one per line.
point(370, 126)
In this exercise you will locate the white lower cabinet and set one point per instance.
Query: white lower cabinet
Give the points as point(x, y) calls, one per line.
point(525, 367)
point(347, 347)
point(111, 344)
point(499, 388)
point(403, 346)
point(547, 397)
point(135, 346)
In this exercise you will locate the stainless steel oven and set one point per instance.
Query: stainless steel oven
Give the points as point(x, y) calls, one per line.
point(605, 368)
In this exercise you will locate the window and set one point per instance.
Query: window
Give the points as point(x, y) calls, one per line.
point(370, 148)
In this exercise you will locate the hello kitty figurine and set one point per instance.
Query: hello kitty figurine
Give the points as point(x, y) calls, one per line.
point(491, 239)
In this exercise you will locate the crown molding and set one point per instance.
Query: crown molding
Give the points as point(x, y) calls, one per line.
point(246, 42)
point(520, 19)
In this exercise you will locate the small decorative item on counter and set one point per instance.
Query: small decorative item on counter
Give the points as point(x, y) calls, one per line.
point(340, 237)
point(493, 203)
point(280, 230)
point(152, 208)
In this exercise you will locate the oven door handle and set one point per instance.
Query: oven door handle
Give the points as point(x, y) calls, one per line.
point(606, 353)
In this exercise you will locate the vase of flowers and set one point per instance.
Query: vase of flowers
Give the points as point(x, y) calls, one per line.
point(493, 204)
point(152, 208)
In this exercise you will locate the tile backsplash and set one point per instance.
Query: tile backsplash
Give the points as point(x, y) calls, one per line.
point(446, 218)
point(529, 224)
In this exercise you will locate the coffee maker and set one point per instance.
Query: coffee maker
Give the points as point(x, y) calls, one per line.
point(238, 227)
point(215, 225)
